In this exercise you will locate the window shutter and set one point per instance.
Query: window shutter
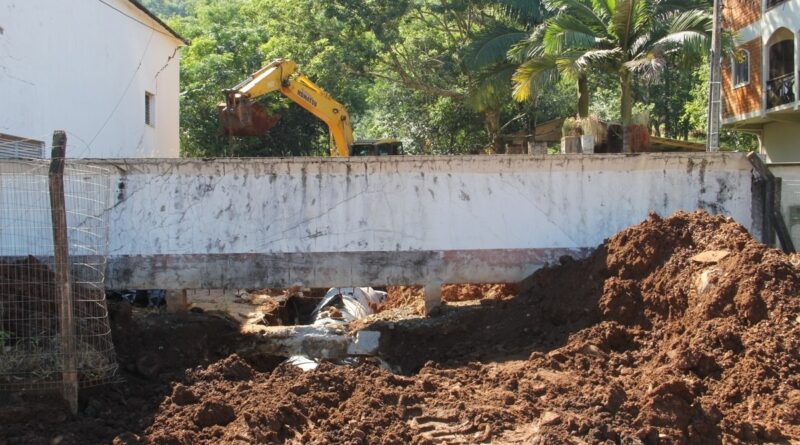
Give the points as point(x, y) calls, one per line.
point(12, 147)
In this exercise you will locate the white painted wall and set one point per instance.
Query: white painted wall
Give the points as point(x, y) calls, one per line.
point(372, 221)
point(781, 140)
point(83, 67)
point(410, 203)
point(786, 15)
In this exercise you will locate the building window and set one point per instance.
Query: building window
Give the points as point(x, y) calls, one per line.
point(780, 83)
point(150, 109)
point(13, 147)
point(740, 67)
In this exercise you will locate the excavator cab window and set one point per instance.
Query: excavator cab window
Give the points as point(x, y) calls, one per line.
point(361, 150)
point(376, 149)
point(390, 149)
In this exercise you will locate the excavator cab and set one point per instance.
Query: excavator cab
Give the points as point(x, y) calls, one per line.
point(377, 147)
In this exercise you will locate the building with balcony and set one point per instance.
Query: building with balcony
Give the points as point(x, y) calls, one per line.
point(760, 90)
point(759, 84)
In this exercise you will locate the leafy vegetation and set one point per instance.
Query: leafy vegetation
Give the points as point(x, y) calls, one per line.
point(442, 75)
point(627, 38)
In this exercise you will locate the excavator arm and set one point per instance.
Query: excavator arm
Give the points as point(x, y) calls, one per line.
point(282, 75)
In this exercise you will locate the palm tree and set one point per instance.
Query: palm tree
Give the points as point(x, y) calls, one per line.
point(486, 58)
point(631, 38)
point(537, 69)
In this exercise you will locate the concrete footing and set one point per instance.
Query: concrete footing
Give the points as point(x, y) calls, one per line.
point(313, 341)
point(177, 300)
point(433, 296)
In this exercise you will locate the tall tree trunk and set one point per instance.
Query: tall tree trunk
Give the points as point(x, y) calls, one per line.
point(627, 108)
point(669, 131)
point(492, 117)
point(583, 96)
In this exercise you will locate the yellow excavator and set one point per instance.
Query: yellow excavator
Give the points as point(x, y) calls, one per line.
point(239, 116)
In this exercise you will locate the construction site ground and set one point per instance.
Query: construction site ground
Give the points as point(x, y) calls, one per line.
point(679, 330)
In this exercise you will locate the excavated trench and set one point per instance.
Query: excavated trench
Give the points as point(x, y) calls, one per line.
point(680, 330)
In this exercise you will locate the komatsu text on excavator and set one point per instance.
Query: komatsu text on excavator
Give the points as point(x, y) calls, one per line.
point(237, 113)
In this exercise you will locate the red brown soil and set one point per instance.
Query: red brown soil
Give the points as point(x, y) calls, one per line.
point(627, 346)
point(29, 327)
point(153, 348)
point(412, 296)
point(28, 301)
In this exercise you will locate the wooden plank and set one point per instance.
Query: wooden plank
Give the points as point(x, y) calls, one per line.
point(549, 131)
point(665, 144)
point(62, 275)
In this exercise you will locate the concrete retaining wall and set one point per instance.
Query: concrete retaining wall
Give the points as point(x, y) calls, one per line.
point(790, 197)
point(406, 220)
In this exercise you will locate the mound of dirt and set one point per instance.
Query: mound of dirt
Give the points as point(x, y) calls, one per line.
point(154, 349)
point(681, 330)
point(639, 343)
point(30, 329)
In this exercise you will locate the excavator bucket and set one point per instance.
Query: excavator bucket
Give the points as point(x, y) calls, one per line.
point(240, 117)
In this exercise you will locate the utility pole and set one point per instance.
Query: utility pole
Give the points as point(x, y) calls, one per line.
point(714, 84)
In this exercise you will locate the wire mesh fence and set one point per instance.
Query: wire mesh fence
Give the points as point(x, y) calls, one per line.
point(32, 351)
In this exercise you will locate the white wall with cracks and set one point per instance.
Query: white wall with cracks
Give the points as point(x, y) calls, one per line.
point(376, 221)
point(407, 204)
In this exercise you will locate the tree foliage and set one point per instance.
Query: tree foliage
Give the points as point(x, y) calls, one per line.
point(633, 39)
point(438, 73)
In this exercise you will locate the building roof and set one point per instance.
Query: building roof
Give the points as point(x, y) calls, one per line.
point(161, 23)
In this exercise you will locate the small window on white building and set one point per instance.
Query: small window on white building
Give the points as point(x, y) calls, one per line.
point(740, 67)
point(13, 147)
point(150, 109)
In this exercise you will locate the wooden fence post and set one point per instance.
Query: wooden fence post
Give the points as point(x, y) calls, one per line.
point(62, 274)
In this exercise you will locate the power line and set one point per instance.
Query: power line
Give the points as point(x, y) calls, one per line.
point(135, 19)
point(125, 92)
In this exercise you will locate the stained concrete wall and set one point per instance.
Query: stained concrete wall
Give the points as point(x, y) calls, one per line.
point(781, 141)
point(405, 220)
point(790, 197)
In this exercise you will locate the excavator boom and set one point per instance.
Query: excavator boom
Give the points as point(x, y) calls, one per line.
point(238, 117)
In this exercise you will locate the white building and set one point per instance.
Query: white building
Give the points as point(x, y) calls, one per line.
point(105, 71)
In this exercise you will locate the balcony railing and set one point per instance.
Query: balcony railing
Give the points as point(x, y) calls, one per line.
point(780, 90)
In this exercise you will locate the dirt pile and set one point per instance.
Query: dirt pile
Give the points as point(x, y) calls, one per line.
point(643, 342)
point(687, 350)
point(153, 348)
point(638, 343)
point(28, 301)
point(30, 353)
